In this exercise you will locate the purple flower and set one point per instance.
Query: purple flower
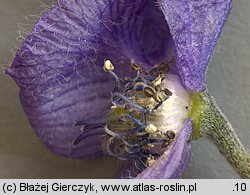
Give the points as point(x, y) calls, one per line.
point(59, 69)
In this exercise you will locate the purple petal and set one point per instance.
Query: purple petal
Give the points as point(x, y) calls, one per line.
point(173, 164)
point(59, 66)
point(195, 27)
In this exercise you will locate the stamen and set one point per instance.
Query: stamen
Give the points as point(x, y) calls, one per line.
point(109, 67)
point(157, 81)
point(132, 129)
point(137, 99)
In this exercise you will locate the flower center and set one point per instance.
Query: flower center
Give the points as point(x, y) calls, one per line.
point(147, 114)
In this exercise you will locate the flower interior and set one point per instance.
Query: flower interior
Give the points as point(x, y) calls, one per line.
point(147, 113)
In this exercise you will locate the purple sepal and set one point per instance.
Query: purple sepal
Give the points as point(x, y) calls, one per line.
point(59, 65)
point(195, 27)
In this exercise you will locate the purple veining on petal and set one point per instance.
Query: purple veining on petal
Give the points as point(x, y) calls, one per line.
point(173, 164)
point(195, 26)
point(58, 67)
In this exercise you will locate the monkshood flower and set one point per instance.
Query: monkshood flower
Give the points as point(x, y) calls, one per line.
point(126, 78)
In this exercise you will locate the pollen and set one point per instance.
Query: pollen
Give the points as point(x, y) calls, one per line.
point(108, 66)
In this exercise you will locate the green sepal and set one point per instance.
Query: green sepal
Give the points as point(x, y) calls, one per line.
point(195, 110)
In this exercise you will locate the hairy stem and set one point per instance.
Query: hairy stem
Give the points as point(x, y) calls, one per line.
point(208, 120)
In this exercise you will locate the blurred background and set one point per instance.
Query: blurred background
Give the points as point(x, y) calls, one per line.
point(23, 156)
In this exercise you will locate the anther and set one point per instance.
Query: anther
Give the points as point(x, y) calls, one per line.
point(150, 129)
point(108, 66)
point(150, 160)
point(167, 92)
point(164, 68)
point(160, 70)
point(149, 91)
point(134, 66)
point(158, 133)
point(158, 97)
point(157, 81)
point(170, 134)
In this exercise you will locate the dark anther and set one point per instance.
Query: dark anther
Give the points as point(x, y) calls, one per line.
point(159, 97)
point(160, 70)
point(149, 91)
point(154, 71)
point(135, 67)
point(170, 134)
point(164, 67)
point(167, 92)
point(163, 95)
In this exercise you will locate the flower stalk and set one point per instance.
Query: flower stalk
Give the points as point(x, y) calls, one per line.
point(208, 120)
